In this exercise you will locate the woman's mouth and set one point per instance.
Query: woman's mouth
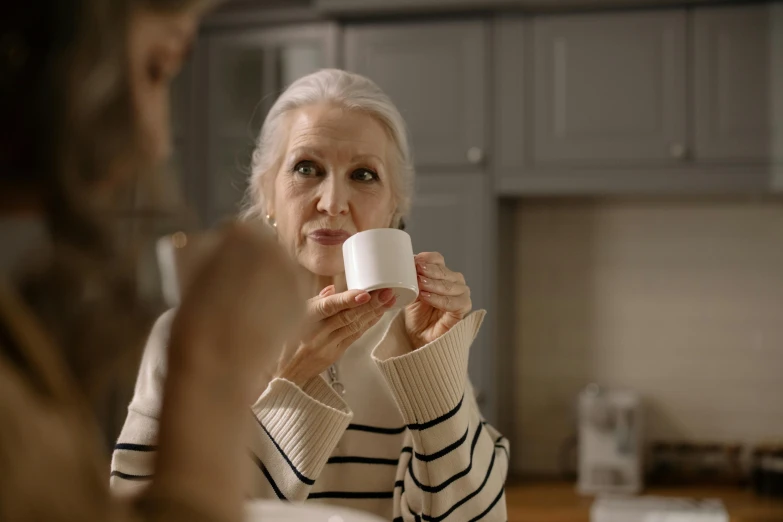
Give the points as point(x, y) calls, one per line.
point(329, 236)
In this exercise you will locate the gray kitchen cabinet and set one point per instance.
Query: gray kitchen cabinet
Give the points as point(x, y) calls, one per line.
point(436, 74)
point(452, 214)
point(603, 104)
point(610, 88)
point(246, 71)
point(732, 83)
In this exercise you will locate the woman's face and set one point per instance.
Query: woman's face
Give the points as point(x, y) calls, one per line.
point(334, 180)
point(158, 45)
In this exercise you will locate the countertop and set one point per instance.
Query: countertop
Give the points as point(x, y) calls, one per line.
point(538, 501)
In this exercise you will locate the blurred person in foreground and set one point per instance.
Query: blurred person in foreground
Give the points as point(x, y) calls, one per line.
point(84, 88)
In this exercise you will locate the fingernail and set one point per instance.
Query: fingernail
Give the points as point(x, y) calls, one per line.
point(422, 267)
point(362, 298)
point(385, 295)
point(423, 281)
point(326, 290)
point(426, 294)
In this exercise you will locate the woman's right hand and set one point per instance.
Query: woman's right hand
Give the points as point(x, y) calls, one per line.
point(332, 323)
point(243, 302)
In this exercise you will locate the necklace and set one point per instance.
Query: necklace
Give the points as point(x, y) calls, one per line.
point(334, 380)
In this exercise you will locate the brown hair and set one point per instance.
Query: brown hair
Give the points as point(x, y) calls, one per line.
point(69, 127)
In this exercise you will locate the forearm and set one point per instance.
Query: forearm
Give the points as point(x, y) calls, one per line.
point(203, 431)
point(301, 428)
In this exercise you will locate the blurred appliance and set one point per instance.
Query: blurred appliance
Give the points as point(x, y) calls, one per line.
point(610, 441)
point(767, 470)
point(657, 509)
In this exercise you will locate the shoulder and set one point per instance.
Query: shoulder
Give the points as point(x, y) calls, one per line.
point(155, 351)
point(148, 393)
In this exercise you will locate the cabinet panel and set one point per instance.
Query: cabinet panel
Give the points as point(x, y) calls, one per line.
point(610, 87)
point(435, 72)
point(511, 86)
point(451, 215)
point(732, 83)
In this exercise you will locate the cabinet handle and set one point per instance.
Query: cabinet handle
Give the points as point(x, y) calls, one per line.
point(678, 150)
point(475, 155)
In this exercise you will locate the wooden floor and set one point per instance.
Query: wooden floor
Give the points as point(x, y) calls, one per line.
point(558, 502)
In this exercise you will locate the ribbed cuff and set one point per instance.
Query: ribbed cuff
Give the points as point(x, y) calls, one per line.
point(429, 382)
point(307, 423)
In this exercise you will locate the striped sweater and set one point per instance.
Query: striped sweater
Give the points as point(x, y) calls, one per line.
point(405, 441)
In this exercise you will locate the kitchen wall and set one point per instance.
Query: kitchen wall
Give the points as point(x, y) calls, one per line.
point(681, 300)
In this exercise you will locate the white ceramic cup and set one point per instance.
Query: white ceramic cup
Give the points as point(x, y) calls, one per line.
point(382, 258)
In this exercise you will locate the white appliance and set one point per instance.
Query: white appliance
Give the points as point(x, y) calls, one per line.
point(610, 441)
point(657, 509)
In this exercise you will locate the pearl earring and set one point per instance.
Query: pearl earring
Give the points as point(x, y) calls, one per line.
point(271, 221)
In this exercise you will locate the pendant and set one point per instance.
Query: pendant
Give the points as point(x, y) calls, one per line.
point(335, 381)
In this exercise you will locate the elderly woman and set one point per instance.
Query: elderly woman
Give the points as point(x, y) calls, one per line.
point(370, 408)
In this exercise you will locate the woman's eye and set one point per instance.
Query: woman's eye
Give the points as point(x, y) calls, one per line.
point(306, 168)
point(364, 175)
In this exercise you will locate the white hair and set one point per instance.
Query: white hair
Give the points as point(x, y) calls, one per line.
point(351, 92)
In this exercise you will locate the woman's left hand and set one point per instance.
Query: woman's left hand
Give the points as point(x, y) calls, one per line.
point(444, 299)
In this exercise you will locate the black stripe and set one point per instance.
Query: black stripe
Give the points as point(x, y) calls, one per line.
point(399, 484)
point(362, 460)
point(407, 449)
point(445, 451)
point(265, 471)
point(499, 445)
point(127, 476)
point(376, 429)
point(398, 519)
point(351, 494)
point(467, 498)
point(134, 447)
point(298, 474)
point(416, 518)
point(458, 475)
point(435, 422)
point(492, 505)
point(505, 450)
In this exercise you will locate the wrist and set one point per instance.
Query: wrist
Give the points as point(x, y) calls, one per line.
point(296, 377)
point(300, 367)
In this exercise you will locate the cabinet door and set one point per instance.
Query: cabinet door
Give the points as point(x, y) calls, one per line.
point(511, 84)
point(451, 215)
point(731, 79)
point(610, 88)
point(436, 73)
point(247, 71)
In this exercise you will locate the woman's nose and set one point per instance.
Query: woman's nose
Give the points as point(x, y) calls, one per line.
point(333, 197)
